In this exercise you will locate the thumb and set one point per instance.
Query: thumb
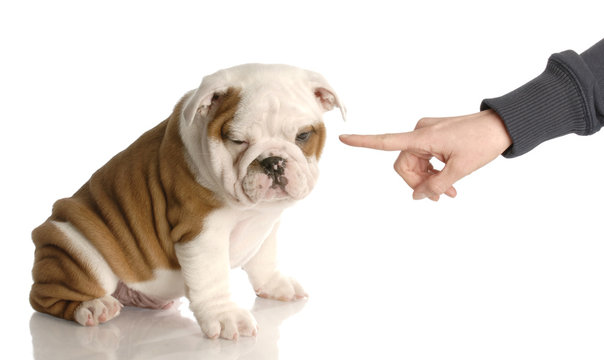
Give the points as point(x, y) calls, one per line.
point(388, 142)
point(438, 184)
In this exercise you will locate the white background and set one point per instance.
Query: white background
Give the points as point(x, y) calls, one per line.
point(511, 268)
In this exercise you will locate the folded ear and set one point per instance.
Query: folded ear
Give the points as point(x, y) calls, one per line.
point(201, 102)
point(325, 94)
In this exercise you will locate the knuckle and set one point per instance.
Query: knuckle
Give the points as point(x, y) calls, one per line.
point(427, 122)
point(398, 167)
point(422, 123)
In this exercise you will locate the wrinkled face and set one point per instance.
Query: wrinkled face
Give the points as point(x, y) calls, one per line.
point(254, 133)
point(267, 144)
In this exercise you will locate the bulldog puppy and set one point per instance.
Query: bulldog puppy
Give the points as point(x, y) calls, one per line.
point(200, 193)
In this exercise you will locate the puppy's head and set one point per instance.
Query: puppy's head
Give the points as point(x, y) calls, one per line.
point(254, 133)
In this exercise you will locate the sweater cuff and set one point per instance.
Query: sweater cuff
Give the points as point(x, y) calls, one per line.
point(549, 106)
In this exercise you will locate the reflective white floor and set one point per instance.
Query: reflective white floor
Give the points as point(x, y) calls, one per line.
point(464, 312)
point(286, 331)
point(148, 334)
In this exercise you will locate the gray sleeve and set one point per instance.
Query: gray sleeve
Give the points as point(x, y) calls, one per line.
point(568, 97)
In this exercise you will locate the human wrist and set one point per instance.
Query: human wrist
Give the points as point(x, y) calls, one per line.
point(498, 133)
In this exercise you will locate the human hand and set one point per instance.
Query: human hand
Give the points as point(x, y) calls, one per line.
point(464, 144)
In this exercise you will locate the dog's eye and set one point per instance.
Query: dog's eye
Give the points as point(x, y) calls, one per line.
point(227, 136)
point(237, 142)
point(303, 136)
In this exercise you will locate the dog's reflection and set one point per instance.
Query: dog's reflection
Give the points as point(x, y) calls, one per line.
point(153, 334)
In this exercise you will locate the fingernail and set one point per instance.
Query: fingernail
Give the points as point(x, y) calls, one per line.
point(344, 136)
point(419, 196)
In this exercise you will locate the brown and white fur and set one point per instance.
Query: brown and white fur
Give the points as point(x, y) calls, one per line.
point(200, 193)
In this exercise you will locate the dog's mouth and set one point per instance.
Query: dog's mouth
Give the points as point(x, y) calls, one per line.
point(268, 180)
point(267, 174)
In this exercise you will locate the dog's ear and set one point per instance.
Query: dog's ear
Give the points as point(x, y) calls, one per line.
point(209, 93)
point(325, 94)
point(201, 101)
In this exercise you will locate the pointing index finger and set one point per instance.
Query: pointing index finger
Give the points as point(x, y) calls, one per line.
point(386, 142)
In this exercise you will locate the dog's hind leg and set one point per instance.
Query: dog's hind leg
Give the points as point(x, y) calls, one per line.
point(71, 280)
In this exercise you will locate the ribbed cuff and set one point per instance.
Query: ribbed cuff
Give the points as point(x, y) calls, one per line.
point(549, 106)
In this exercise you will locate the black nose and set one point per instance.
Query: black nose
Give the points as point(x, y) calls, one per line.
point(273, 165)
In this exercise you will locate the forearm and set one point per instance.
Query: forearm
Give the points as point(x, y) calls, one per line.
point(568, 97)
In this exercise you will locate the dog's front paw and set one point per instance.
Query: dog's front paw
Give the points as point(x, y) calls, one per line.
point(228, 321)
point(281, 287)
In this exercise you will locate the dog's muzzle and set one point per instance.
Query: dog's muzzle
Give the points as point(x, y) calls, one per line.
point(274, 168)
point(273, 171)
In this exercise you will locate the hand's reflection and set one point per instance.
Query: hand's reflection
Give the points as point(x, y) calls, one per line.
point(155, 334)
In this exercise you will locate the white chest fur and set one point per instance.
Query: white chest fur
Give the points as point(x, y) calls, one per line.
point(248, 233)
